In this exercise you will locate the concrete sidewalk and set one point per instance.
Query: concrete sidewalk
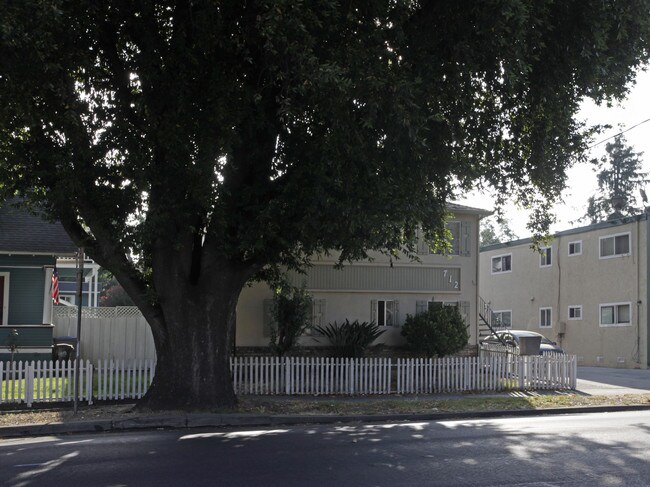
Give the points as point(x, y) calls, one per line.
point(206, 420)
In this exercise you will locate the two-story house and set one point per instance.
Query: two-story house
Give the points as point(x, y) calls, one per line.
point(587, 290)
point(379, 290)
point(29, 247)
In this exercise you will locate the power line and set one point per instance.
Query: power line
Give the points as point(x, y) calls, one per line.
point(620, 133)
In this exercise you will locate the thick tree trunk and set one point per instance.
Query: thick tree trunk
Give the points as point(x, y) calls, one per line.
point(193, 355)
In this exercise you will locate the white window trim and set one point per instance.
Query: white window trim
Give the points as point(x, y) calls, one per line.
point(541, 255)
point(501, 257)
point(539, 316)
point(568, 247)
point(68, 298)
point(5, 299)
point(504, 311)
point(614, 235)
point(385, 301)
point(574, 306)
point(609, 325)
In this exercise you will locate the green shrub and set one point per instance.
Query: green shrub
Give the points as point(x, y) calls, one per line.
point(350, 339)
point(291, 315)
point(437, 332)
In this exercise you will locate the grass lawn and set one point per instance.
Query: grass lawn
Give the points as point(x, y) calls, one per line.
point(52, 389)
point(398, 405)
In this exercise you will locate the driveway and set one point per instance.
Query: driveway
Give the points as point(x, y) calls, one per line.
point(602, 381)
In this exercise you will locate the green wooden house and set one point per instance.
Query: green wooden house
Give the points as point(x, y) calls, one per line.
point(29, 247)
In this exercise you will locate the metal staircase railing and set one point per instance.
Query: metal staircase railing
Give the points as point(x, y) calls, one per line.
point(486, 315)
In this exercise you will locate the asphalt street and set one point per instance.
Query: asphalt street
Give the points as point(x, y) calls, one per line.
point(571, 450)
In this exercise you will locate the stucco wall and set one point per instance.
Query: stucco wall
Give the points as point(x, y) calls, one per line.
point(577, 280)
point(349, 294)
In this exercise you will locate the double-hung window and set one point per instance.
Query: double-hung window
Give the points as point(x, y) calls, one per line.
point(615, 314)
point(502, 318)
point(614, 245)
point(454, 228)
point(545, 259)
point(502, 263)
point(386, 313)
point(545, 317)
point(456, 244)
point(317, 314)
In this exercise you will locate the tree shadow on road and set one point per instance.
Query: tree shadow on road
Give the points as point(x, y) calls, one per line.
point(560, 450)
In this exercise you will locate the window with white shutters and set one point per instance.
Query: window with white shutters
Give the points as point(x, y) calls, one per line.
point(385, 312)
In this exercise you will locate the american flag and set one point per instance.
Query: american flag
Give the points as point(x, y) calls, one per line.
point(55, 286)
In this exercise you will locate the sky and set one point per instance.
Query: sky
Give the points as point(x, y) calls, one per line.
point(581, 183)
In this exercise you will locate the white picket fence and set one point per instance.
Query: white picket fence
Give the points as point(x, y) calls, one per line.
point(43, 381)
point(483, 374)
point(310, 375)
point(300, 375)
point(47, 381)
point(123, 379)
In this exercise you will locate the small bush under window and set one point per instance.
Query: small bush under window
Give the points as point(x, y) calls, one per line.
point(437, 332)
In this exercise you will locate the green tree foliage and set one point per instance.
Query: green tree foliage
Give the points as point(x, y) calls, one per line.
point(193, 146)
point(114, 295)
point(291, 315)
point(437, 332)
point(350, 339)
point(620, 182)
point(495, 230)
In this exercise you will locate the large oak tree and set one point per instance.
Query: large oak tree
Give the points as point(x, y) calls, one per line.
point(192, 146)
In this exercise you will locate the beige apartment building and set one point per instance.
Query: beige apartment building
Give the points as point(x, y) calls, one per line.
point(587, 290)
point(377, 289)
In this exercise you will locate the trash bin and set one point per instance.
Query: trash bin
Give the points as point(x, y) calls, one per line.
point(63, 352)
point(65, 339)
point(529, 345)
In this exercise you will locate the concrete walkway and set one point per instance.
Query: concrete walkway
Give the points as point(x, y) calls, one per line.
point(602, 381)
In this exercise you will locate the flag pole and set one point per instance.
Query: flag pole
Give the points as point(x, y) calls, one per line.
point(80, 271)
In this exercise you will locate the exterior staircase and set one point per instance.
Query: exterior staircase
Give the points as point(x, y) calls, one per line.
point(488, 324)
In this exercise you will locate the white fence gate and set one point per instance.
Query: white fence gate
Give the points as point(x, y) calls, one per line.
point(119, 333)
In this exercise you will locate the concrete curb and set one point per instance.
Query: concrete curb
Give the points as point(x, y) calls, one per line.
point(206, 420)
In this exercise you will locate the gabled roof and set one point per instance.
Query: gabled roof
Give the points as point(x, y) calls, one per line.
point(456, 208)
point(22, 232)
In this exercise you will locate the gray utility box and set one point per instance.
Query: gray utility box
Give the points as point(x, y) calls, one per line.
point(529, 345)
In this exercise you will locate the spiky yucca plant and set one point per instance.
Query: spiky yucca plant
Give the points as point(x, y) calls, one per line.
point(350, 339)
